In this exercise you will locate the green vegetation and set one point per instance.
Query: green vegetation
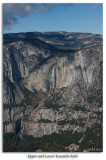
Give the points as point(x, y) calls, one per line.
point(71, 122)
point(9, 106)
point(48, 143)
point(50, 104)
point(44, 121)
point(95, 95)
point(79, 108)
point(63, 122)
point(6, 106)
point(79, 122)
point(10, 142)
point(57, 95)
point(93, 140)
point(5, 78)
point(28, 95)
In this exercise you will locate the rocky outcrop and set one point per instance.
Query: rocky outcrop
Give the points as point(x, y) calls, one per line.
point(59, 72)
point(20, 57)
point(47, 90)
point(12, 93)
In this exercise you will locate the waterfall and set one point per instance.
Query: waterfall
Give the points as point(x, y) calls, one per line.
point(51, 79)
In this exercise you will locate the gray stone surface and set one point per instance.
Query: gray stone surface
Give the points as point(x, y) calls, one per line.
point(69, 81)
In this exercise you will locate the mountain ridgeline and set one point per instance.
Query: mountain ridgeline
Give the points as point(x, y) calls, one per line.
point(52, 84)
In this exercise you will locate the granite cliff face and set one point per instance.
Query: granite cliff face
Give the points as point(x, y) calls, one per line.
point(49, 90)
point(63, 71)
point(22, 56)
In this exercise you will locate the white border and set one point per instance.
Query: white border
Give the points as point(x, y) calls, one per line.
point(81, 156)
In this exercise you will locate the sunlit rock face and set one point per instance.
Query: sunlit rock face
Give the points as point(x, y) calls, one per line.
point(56, 73)
point(60, 72)
point(20, 57)
point(36, 73)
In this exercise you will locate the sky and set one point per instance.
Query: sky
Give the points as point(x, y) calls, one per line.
point(69, 17)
